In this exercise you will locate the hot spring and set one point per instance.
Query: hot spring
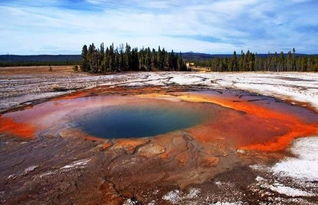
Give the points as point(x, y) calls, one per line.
point(261, 124)
point(136, 121)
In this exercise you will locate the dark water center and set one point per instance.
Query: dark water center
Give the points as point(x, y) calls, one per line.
point(131, 122)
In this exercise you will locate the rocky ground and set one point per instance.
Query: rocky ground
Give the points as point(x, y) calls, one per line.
point(65, 169)
point(21, 84)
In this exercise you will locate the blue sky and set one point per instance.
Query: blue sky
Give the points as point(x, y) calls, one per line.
point(209, 26)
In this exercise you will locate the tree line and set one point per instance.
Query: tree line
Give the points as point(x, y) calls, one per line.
point(252, 62)
point(126, 58)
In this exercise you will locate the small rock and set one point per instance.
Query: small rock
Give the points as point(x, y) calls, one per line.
point(210, 161)
point(30, 169)
point(11, 177)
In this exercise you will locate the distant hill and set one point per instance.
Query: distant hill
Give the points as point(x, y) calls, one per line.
point(24, 60)
point(203, 56)
point(39, 58)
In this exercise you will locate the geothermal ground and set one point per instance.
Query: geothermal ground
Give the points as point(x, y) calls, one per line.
point(256, 143)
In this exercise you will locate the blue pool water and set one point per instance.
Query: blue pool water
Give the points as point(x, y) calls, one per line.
point(132, 122)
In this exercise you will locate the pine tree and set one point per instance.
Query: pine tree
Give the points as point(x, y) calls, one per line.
point(85, 63)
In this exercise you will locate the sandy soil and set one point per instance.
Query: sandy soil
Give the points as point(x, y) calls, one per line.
point(66, 169)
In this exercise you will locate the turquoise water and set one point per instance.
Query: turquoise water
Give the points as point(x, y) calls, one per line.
point(132, 122)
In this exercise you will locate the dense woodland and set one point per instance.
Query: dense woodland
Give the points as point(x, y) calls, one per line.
point(125, 58)
point(252, 62)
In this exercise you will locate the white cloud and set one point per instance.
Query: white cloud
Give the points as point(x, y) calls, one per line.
point(257, 25)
